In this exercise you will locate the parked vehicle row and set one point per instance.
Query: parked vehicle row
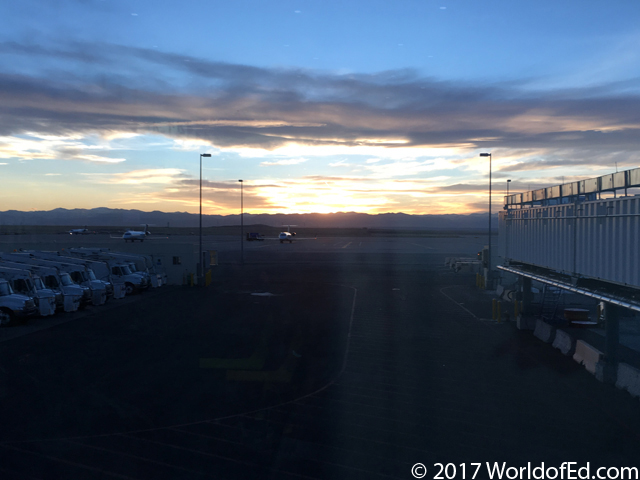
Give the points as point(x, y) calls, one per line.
point(38, 283)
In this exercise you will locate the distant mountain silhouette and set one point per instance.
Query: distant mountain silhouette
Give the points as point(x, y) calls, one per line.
point(132, 218)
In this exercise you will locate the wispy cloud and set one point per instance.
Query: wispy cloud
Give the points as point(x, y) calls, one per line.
point(290, 161)
point(162, 176)
point(31, 146)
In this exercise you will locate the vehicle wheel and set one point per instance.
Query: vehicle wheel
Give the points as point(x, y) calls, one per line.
point(128, 288)
point(281, 241)
point(7, 318)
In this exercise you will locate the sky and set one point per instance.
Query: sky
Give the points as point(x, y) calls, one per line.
point(317, 105)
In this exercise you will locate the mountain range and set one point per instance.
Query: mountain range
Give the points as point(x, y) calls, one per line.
point(132, 218)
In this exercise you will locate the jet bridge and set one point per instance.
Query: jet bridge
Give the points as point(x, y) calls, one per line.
point(570, 237)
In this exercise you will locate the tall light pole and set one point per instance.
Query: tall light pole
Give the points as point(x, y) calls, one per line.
point(241, 225)
point(200, 262)
point(489, 254)
point(508, 182)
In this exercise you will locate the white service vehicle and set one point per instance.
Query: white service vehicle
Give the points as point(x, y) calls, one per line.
point(14, 307)
point(24, 282)
point(68, 294)
point(141, 263)
point(115, 285)
point(80, 274)
point(120, 272)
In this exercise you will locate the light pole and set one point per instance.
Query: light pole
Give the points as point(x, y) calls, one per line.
point(508, 182)
point(200, 262)
point(489, 254)
point(241, 225)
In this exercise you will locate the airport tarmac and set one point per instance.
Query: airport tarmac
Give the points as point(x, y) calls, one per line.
point(328, 358)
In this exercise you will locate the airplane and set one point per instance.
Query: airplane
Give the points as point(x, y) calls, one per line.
point(80, 231)
point(133, 235)
point(287, 236)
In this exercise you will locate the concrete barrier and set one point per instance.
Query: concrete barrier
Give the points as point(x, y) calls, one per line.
point(524, 322)
point(629, 379)
point(587, 355)
point(544, 331)
point(564, 342)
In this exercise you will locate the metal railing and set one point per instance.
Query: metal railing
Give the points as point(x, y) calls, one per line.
point(588, 189)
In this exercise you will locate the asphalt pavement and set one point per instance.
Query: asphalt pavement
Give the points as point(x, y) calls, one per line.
point(329, 359)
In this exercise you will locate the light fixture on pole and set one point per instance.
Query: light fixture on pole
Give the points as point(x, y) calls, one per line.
point(200, 262)
point(241, 225)
point(489, 254)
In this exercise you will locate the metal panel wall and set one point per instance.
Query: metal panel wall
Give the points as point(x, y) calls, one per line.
point(597, 239)
point(590, 185)
point(606, 182)
point(539, 194)
point(620, 179)
point(569, 189)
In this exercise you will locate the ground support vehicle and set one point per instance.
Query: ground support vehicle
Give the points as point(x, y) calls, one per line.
point(54, 278)
point(138, 263)
point(24, 282)
point(100, 271)
point(253, 236)
point(80, 274)
point(68, 294)
point(119, 271)
point(14, 307)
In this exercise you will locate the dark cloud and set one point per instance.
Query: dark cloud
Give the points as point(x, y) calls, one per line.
point(244, 106)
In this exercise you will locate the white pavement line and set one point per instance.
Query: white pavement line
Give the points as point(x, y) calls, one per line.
point(462, 307)
point(347, 245)
point(484, 320)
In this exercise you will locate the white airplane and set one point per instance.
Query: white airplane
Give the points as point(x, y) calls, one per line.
point(80, 231)
point(133, 235)
point(288, 235)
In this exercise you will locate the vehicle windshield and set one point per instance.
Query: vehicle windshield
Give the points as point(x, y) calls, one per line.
point(132, 266)
point(76, 276)
point(125, 270)
point(51, 281)
point(5, 289)
point(38, 284)
point(66, 280)
point(90, 274)
point(23, 285)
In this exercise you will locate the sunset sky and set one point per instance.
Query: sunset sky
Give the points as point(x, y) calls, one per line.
point(318, 105)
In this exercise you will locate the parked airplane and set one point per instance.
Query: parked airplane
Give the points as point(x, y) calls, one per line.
point(133, 235)
point(288, 235)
